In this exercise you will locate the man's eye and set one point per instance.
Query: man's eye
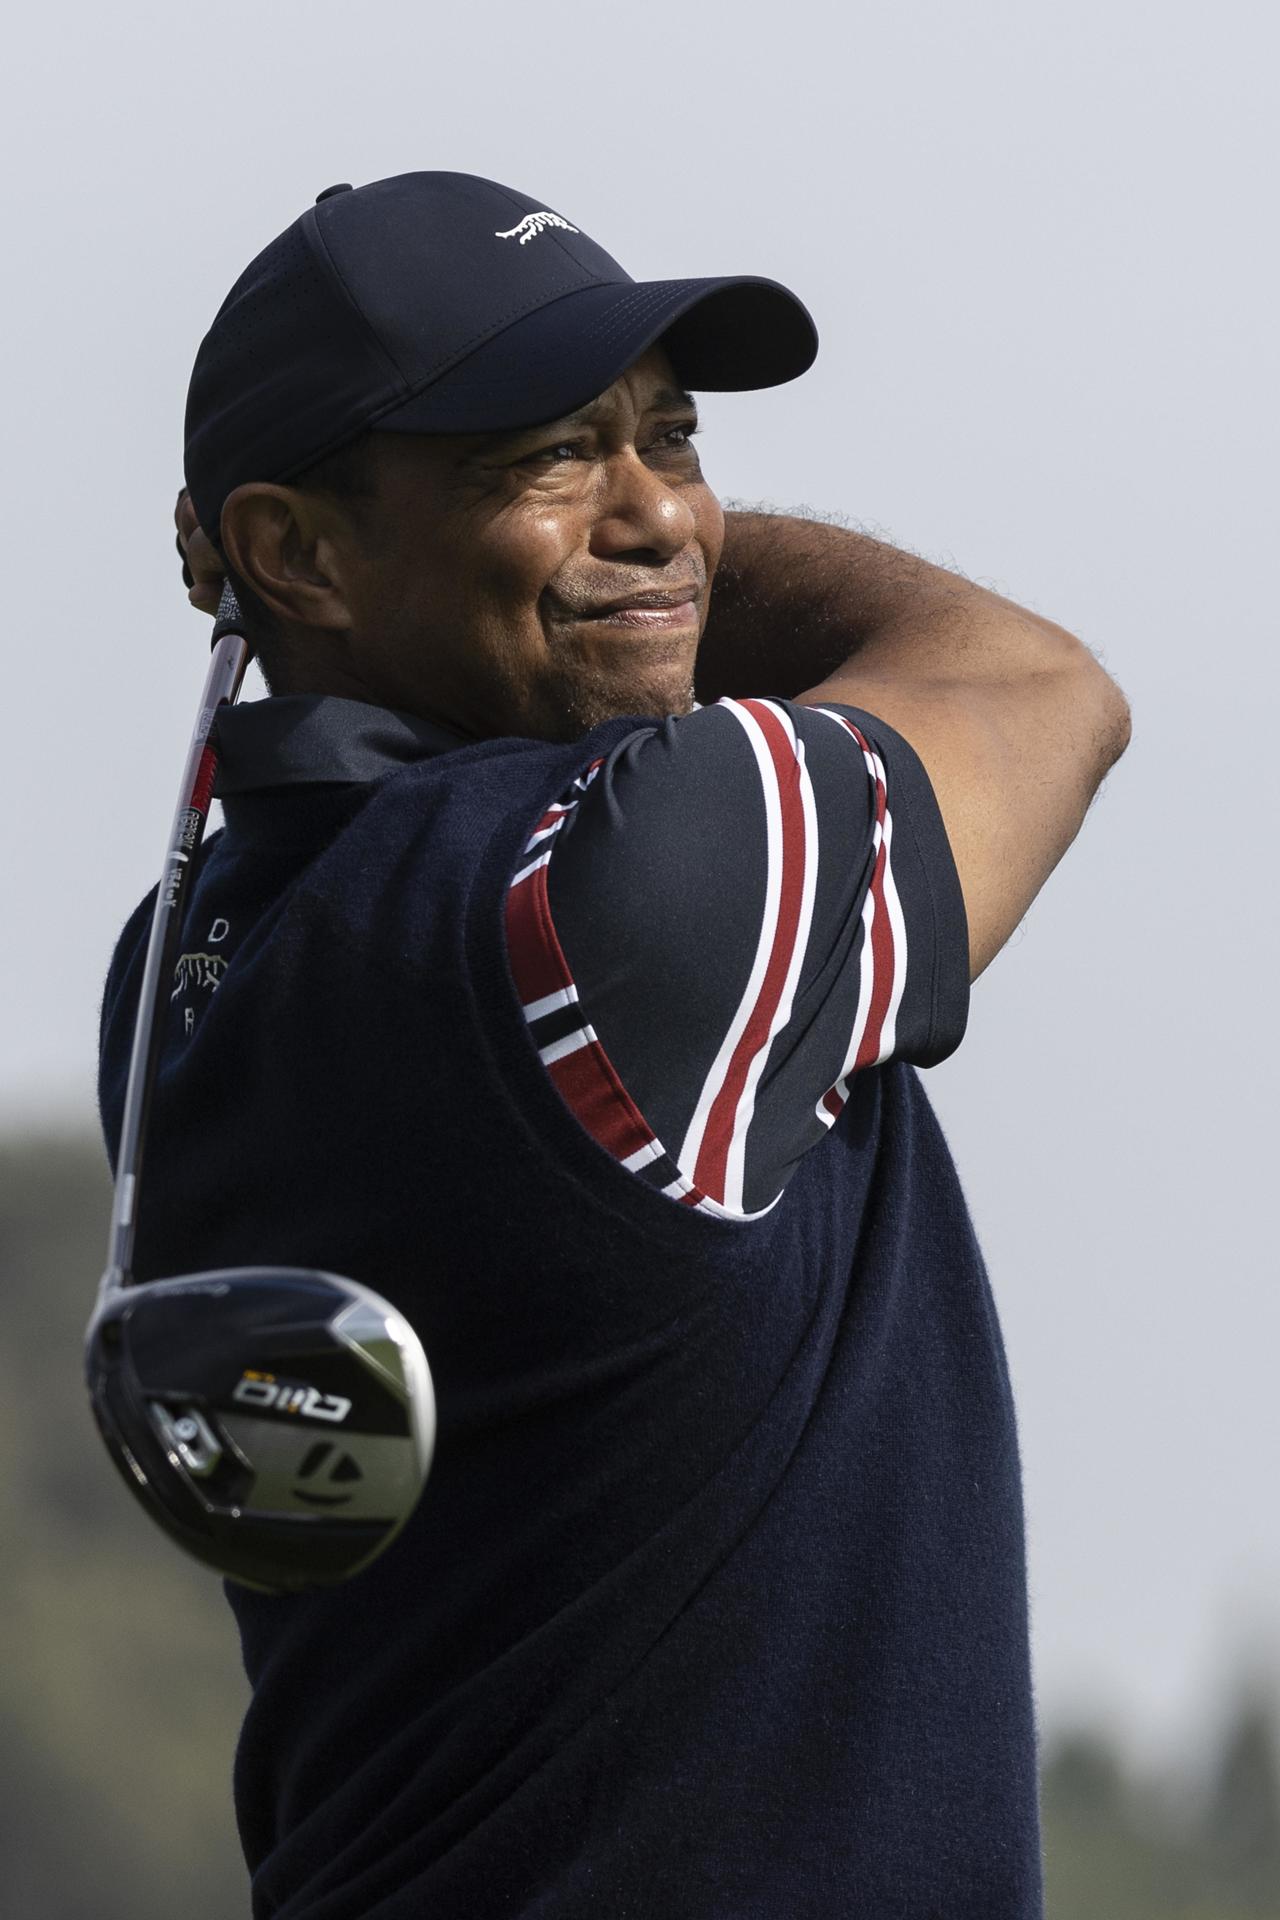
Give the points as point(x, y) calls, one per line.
point(561, 450)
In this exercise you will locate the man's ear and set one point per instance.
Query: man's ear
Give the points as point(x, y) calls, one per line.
point(282, 544)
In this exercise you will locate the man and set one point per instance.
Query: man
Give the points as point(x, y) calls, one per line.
point(578, 1018)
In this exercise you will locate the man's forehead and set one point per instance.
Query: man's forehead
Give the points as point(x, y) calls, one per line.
point(649, 399)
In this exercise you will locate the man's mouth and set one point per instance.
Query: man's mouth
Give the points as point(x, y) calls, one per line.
point(655, 609)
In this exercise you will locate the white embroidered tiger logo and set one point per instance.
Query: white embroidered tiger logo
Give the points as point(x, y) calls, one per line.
point(532, 225)
point(198, 970)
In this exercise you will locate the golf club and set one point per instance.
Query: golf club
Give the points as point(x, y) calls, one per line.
point(277, 1422)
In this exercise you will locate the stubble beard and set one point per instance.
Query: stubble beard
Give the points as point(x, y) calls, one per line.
point(577, 702)
point(580, 694)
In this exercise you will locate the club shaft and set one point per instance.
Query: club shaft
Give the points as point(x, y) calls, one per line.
point(226, 671)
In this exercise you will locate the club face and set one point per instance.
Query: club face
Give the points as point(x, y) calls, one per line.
point(277, 1422)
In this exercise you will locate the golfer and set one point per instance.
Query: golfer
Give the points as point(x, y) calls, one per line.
point(596, 877)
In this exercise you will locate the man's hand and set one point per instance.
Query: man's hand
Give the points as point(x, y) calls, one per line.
point(202, 568)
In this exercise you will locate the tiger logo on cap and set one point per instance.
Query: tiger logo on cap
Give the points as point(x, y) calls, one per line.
point(532, 225)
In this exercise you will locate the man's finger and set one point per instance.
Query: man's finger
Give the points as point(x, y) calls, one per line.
point(202, 565)
point(184, 514)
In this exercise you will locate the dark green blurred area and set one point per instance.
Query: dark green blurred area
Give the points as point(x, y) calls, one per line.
point(121, 1689)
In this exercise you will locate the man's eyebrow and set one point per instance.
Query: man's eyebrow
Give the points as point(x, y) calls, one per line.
point(674, 397)
point(666, 399)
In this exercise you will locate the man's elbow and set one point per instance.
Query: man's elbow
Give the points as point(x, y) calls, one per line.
point(1098, 703)
point(1113, 721)
point(1097, 726)
point(1094, 710)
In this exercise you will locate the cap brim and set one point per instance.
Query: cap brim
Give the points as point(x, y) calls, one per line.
point(722, 336)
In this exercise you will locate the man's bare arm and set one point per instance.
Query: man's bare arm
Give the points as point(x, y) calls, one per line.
point(1014, 719)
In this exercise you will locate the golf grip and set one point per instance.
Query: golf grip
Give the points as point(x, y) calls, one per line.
point(227, 619)
point(226, 671)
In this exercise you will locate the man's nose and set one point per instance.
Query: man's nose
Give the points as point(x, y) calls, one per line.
point(639, 512)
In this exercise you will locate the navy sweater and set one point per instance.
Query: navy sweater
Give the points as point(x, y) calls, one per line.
point(715, 1601)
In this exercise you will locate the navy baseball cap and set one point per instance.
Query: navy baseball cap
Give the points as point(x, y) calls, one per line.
point(443, 303)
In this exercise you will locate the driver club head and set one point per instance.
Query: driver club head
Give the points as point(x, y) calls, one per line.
point(277, 1422)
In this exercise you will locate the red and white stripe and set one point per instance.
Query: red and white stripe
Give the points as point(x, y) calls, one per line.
point(883, 969)
point(541, 971)
point(714, 1147)
point(577, 1064)
point(708, 1171)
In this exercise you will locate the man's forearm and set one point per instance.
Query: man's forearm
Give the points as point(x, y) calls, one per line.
point(794, 600)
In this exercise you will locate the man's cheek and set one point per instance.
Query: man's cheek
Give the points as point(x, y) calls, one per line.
point(709, 518)
point(532, 543)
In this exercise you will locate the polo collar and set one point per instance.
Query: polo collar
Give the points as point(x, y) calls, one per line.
point(312, 739)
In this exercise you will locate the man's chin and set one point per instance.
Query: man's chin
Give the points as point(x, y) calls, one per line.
point(575, 706)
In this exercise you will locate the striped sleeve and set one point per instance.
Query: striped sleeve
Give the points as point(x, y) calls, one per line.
point(721, 925)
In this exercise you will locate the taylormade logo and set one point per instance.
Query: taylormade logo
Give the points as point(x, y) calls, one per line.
point(532, 225)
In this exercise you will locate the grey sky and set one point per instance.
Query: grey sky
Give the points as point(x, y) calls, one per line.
point(1040, 248)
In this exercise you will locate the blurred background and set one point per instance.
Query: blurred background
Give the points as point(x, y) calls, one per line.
point(1039, 243)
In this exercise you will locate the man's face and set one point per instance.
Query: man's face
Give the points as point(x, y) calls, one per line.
point(542, 581)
